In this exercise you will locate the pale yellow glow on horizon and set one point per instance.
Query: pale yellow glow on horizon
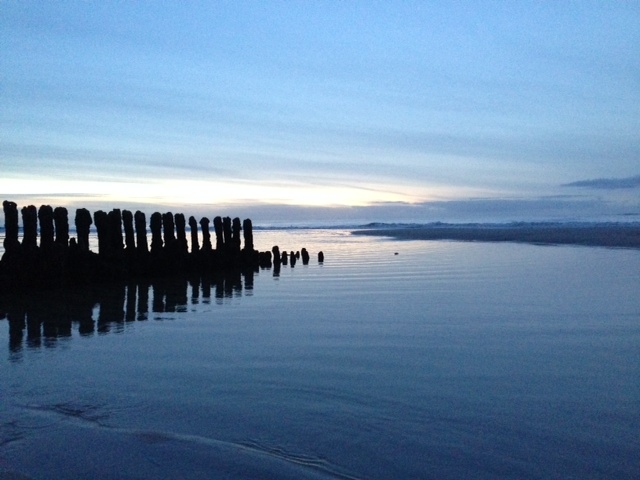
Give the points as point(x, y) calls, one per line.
point(194, 192)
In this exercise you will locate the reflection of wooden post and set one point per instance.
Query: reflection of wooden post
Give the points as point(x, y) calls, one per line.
point(101, 220)
point(235, 235)
point(180, 233)
point(45, 215)
point(83, 225)
point(193, 225)
point(141, 232)
point(156, 232)
point(30, 228)
point(206, 236)
point(217, 225)
point(10, 226)
point(248, 235)
point(61, 218)
point(129, 239)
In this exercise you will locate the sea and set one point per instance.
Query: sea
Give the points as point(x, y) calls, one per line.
point(389, 360)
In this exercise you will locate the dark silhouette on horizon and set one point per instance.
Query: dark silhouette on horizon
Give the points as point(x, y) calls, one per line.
point(63, 261)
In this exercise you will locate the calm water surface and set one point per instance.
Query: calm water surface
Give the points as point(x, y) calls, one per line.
point(447, 360)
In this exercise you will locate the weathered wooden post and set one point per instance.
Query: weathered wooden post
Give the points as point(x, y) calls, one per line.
point(305, 256)
point(235, 234)
point(45, 215)
point(193, 225)
point(247, 228)
point(181, 233)
point(217, 225)
point(115, 230)
point(277, 259)
point(83, 225)
point(169, 230)
point(320, 257)
point(129, 239)
point(226, 231)
point(101, 220)
point(293, 257)
point(156, 232)
point(206, 236)
point(285, 257)
point(61, 219)
point(11, 242)
point(30, 228)
point(141, 232)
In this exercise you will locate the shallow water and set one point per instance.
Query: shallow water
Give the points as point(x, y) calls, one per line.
point(447, 360)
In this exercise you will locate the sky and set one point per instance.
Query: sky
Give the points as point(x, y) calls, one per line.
point(325, 111)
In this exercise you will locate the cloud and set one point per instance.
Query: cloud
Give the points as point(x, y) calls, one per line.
point(607, 183)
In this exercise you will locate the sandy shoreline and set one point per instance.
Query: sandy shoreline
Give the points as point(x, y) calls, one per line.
point(602, 235)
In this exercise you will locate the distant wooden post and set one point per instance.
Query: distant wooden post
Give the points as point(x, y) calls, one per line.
point(193, 225)
point(101, 220)
point(156, 232)
point(247, 228)
point(141, 232)
point(11, 242)
point(45, 215)
point(305, 256)
point(83, 226)
point(61, 219)
point(30, 228)
point(181, 233)
point(226, 231)
point(115, 230)
point(235, 234)
point(129, 239)
point(206, 236)
point(169, 230)
point(217, 225)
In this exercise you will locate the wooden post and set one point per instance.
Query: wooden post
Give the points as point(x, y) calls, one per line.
point(193, 225)
point(83, 225)
point(141, 232)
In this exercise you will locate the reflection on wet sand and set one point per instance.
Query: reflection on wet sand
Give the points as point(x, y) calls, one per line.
point(44, 319)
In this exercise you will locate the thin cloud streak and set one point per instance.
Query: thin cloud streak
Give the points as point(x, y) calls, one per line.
point(607, 183)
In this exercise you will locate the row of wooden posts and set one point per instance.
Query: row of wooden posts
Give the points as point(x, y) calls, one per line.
point(54, 230)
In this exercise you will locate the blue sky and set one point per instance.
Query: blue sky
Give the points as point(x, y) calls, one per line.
point(324, 111)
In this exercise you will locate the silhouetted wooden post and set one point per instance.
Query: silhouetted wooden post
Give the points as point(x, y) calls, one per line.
point(101, 220)
point(115, 230)
point(83, 226)
point(277, 259)
point(226, 231)
point(235, 234)
point(156, 232)
point(305, 256)
point(61, 219)
point(285, 257)
point(193, 225)
point(181, 233)
point(11, 242)
point(247, 228)
point(169, 230)
point(217, 225)
point(30, 228)
point(129, 239)
point(293, 258)
point(141, 232)
point(206, 236)
point(320, 257)
point(45, 215)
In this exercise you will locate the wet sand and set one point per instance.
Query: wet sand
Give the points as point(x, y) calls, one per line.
point(602, 235)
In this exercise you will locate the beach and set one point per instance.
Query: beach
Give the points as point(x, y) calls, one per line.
point(600, 235)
